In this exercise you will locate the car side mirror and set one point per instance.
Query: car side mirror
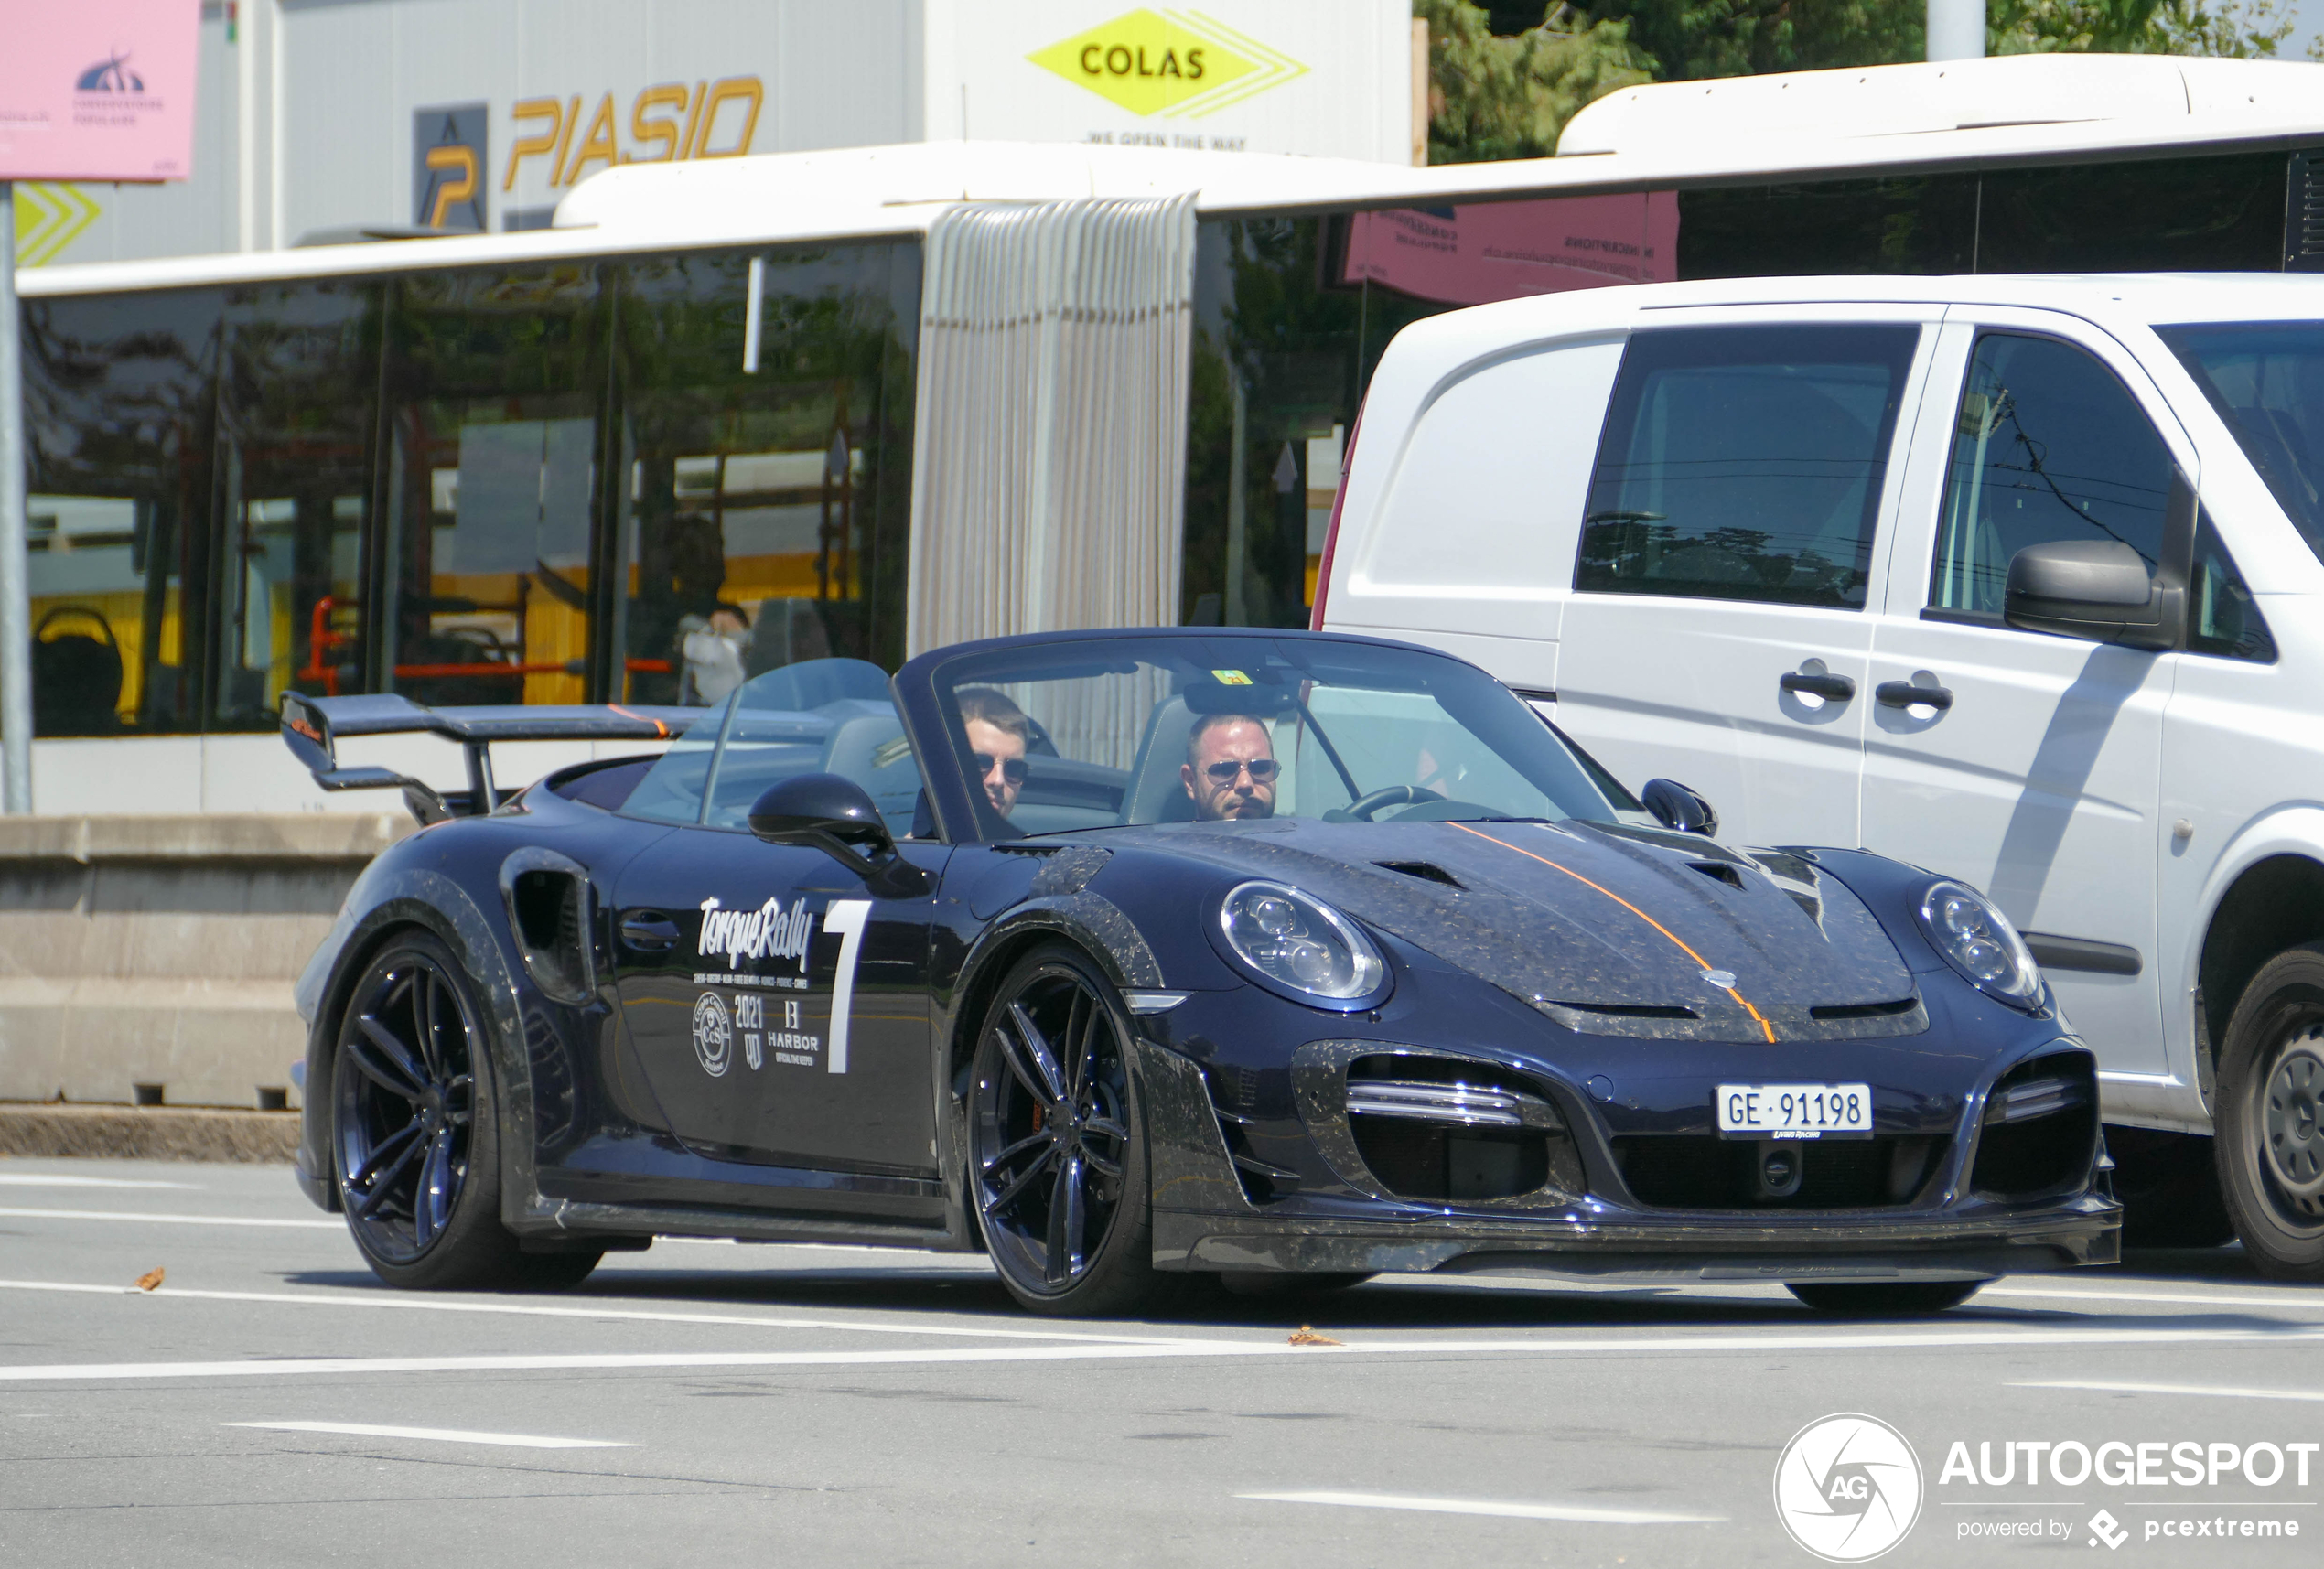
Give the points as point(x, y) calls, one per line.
point(834, 814)
point(1678, 808)
point(2097, 590)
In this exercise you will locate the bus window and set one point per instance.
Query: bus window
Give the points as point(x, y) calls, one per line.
point(766, 514)
point(495, 380)
point(297, 393)
point(119, 416)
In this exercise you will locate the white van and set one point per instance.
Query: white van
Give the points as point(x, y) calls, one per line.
point(2013, 578)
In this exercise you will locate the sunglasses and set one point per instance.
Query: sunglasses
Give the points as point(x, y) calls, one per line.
point(1263, 770)
point(1016, 770)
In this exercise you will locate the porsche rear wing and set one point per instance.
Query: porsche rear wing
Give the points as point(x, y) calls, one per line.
point(312, 727)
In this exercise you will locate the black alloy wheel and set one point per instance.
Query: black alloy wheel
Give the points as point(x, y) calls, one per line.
point(1056, 1162)
point(1885, 1299)
point(2268, 1120)
point(414, 1132)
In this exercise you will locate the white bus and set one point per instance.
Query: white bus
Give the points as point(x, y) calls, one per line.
point(725, 415)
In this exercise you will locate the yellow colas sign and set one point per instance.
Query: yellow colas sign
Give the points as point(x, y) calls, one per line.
point(1170, 63)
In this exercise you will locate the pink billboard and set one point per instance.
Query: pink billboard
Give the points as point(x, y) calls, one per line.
point(98, 89)
point(1482, 251)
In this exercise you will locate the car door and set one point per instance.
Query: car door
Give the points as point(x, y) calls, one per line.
point(779, 1006)
point(776, 1001)
point(1717, 632)
point(2025, 763)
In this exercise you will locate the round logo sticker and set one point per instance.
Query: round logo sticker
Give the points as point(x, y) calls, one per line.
point(1847, 1487)
point(714, 1035)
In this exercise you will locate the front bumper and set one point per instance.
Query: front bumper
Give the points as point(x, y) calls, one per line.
point(2088, 1231)
point(1205, 1218)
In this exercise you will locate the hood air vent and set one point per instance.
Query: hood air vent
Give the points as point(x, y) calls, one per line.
point(1628, 1011)
point(1719, 872)
point(1862, 1010)
point(1424, 870)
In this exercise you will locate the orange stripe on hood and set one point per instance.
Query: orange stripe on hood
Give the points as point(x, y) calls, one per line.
point(1765, 1028)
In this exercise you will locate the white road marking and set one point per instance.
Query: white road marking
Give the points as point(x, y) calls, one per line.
point(609, 1361)
point(2217, 1392)
point(416, 1303)
point(2294, 1300)
point(170, 1219)
point(1542, 1346)
point(1586, 1514)
point(47, 1180)
point(438, 1435)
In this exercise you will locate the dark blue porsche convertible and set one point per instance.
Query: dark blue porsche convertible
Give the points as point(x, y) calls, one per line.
point(1137, 960)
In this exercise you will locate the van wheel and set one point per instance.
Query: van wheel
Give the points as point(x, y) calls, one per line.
point(2270, 1144)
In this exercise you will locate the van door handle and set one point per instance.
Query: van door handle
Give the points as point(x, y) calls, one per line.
point(1831, 688)
point(648, 932)
point(1904, 694)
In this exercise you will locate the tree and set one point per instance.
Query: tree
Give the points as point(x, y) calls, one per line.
point(2242, 29)
point(1495, 97)
point(1694, 38)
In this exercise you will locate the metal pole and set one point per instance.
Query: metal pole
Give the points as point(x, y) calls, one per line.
point(15, 606)
point(1956, 29)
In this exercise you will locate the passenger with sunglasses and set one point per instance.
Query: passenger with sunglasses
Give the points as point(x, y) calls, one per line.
point(1230, 770)
point(997, 734)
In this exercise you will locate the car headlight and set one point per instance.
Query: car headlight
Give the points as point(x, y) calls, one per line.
point(1302, 947)
point(1978, 940)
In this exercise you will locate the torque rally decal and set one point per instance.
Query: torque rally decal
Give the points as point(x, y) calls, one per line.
point(773, 931)
point(770, 931)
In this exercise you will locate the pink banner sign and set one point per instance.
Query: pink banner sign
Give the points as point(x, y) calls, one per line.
point(99, 89)
point(1484, 252)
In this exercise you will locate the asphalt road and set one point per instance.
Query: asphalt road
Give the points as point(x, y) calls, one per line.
point(711, 1405)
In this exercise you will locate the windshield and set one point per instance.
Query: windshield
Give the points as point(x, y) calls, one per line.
point(831, 716)
point(2266, 380)
point(1061, 737)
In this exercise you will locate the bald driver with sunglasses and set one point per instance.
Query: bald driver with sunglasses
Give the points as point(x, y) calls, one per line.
point(1231, 768)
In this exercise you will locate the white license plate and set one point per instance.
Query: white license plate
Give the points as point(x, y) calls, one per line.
point(1794, 1110)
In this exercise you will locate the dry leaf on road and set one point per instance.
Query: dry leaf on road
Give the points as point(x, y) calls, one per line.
point(1306, 1335)
point(150, 1280)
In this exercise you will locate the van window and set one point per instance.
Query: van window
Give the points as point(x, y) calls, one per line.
point(2048, 445)
point(2266, 380)
point(1746, 463)
point(2223, 617)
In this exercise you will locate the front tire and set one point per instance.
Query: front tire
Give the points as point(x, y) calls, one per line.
point(415, 1132)
point(1057, 1146)
point(1897, 1299)
point(2266, 1126)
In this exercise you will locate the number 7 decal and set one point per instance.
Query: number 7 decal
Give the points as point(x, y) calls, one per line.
point(848, 918)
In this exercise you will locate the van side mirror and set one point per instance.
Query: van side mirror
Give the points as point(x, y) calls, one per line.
point(834, 814)
point(1678, 808)
point(2097, 590)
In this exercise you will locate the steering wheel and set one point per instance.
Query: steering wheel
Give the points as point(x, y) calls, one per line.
point(1364, 806)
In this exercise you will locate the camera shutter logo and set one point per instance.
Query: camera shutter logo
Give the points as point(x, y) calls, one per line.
point(714, 1035)
point(1847, 1487)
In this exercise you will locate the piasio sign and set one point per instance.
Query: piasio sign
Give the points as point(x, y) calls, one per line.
point(1174, 63)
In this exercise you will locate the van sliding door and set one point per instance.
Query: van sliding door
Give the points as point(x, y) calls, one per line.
point(1717, 632)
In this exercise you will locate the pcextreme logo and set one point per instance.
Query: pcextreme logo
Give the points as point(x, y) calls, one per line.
point(1173, 63)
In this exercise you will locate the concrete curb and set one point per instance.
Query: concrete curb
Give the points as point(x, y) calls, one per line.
point(138, 1132)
